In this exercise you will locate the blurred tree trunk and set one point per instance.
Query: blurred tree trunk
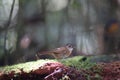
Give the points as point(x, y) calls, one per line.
point(76, 21)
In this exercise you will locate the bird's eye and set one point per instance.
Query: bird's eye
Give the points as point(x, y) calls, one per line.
point(70, 46)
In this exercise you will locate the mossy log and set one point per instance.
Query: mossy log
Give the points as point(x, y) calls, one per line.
point(77, 62)
point(78, 68)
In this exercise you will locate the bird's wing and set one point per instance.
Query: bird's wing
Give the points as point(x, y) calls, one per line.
point(44, 53)
point(59, 50)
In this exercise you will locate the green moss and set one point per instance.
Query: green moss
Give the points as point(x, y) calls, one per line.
point(78, 62)
point(28, 66)
point(65, 78)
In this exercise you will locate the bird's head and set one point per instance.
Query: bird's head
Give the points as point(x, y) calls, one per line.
point(70, 47)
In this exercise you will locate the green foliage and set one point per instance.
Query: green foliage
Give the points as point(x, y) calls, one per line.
point(23, 1)
point(75, 4)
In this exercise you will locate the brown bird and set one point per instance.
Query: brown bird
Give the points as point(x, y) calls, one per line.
point(58, 53)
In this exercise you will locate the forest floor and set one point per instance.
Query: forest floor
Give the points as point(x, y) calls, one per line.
point(75, 68)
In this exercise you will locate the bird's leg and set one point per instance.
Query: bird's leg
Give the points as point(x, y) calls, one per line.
point(37, 57)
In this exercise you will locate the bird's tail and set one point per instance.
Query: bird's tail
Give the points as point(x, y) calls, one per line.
point(38, 54)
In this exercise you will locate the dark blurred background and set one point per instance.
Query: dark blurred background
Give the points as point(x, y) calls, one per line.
point(26, 26)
